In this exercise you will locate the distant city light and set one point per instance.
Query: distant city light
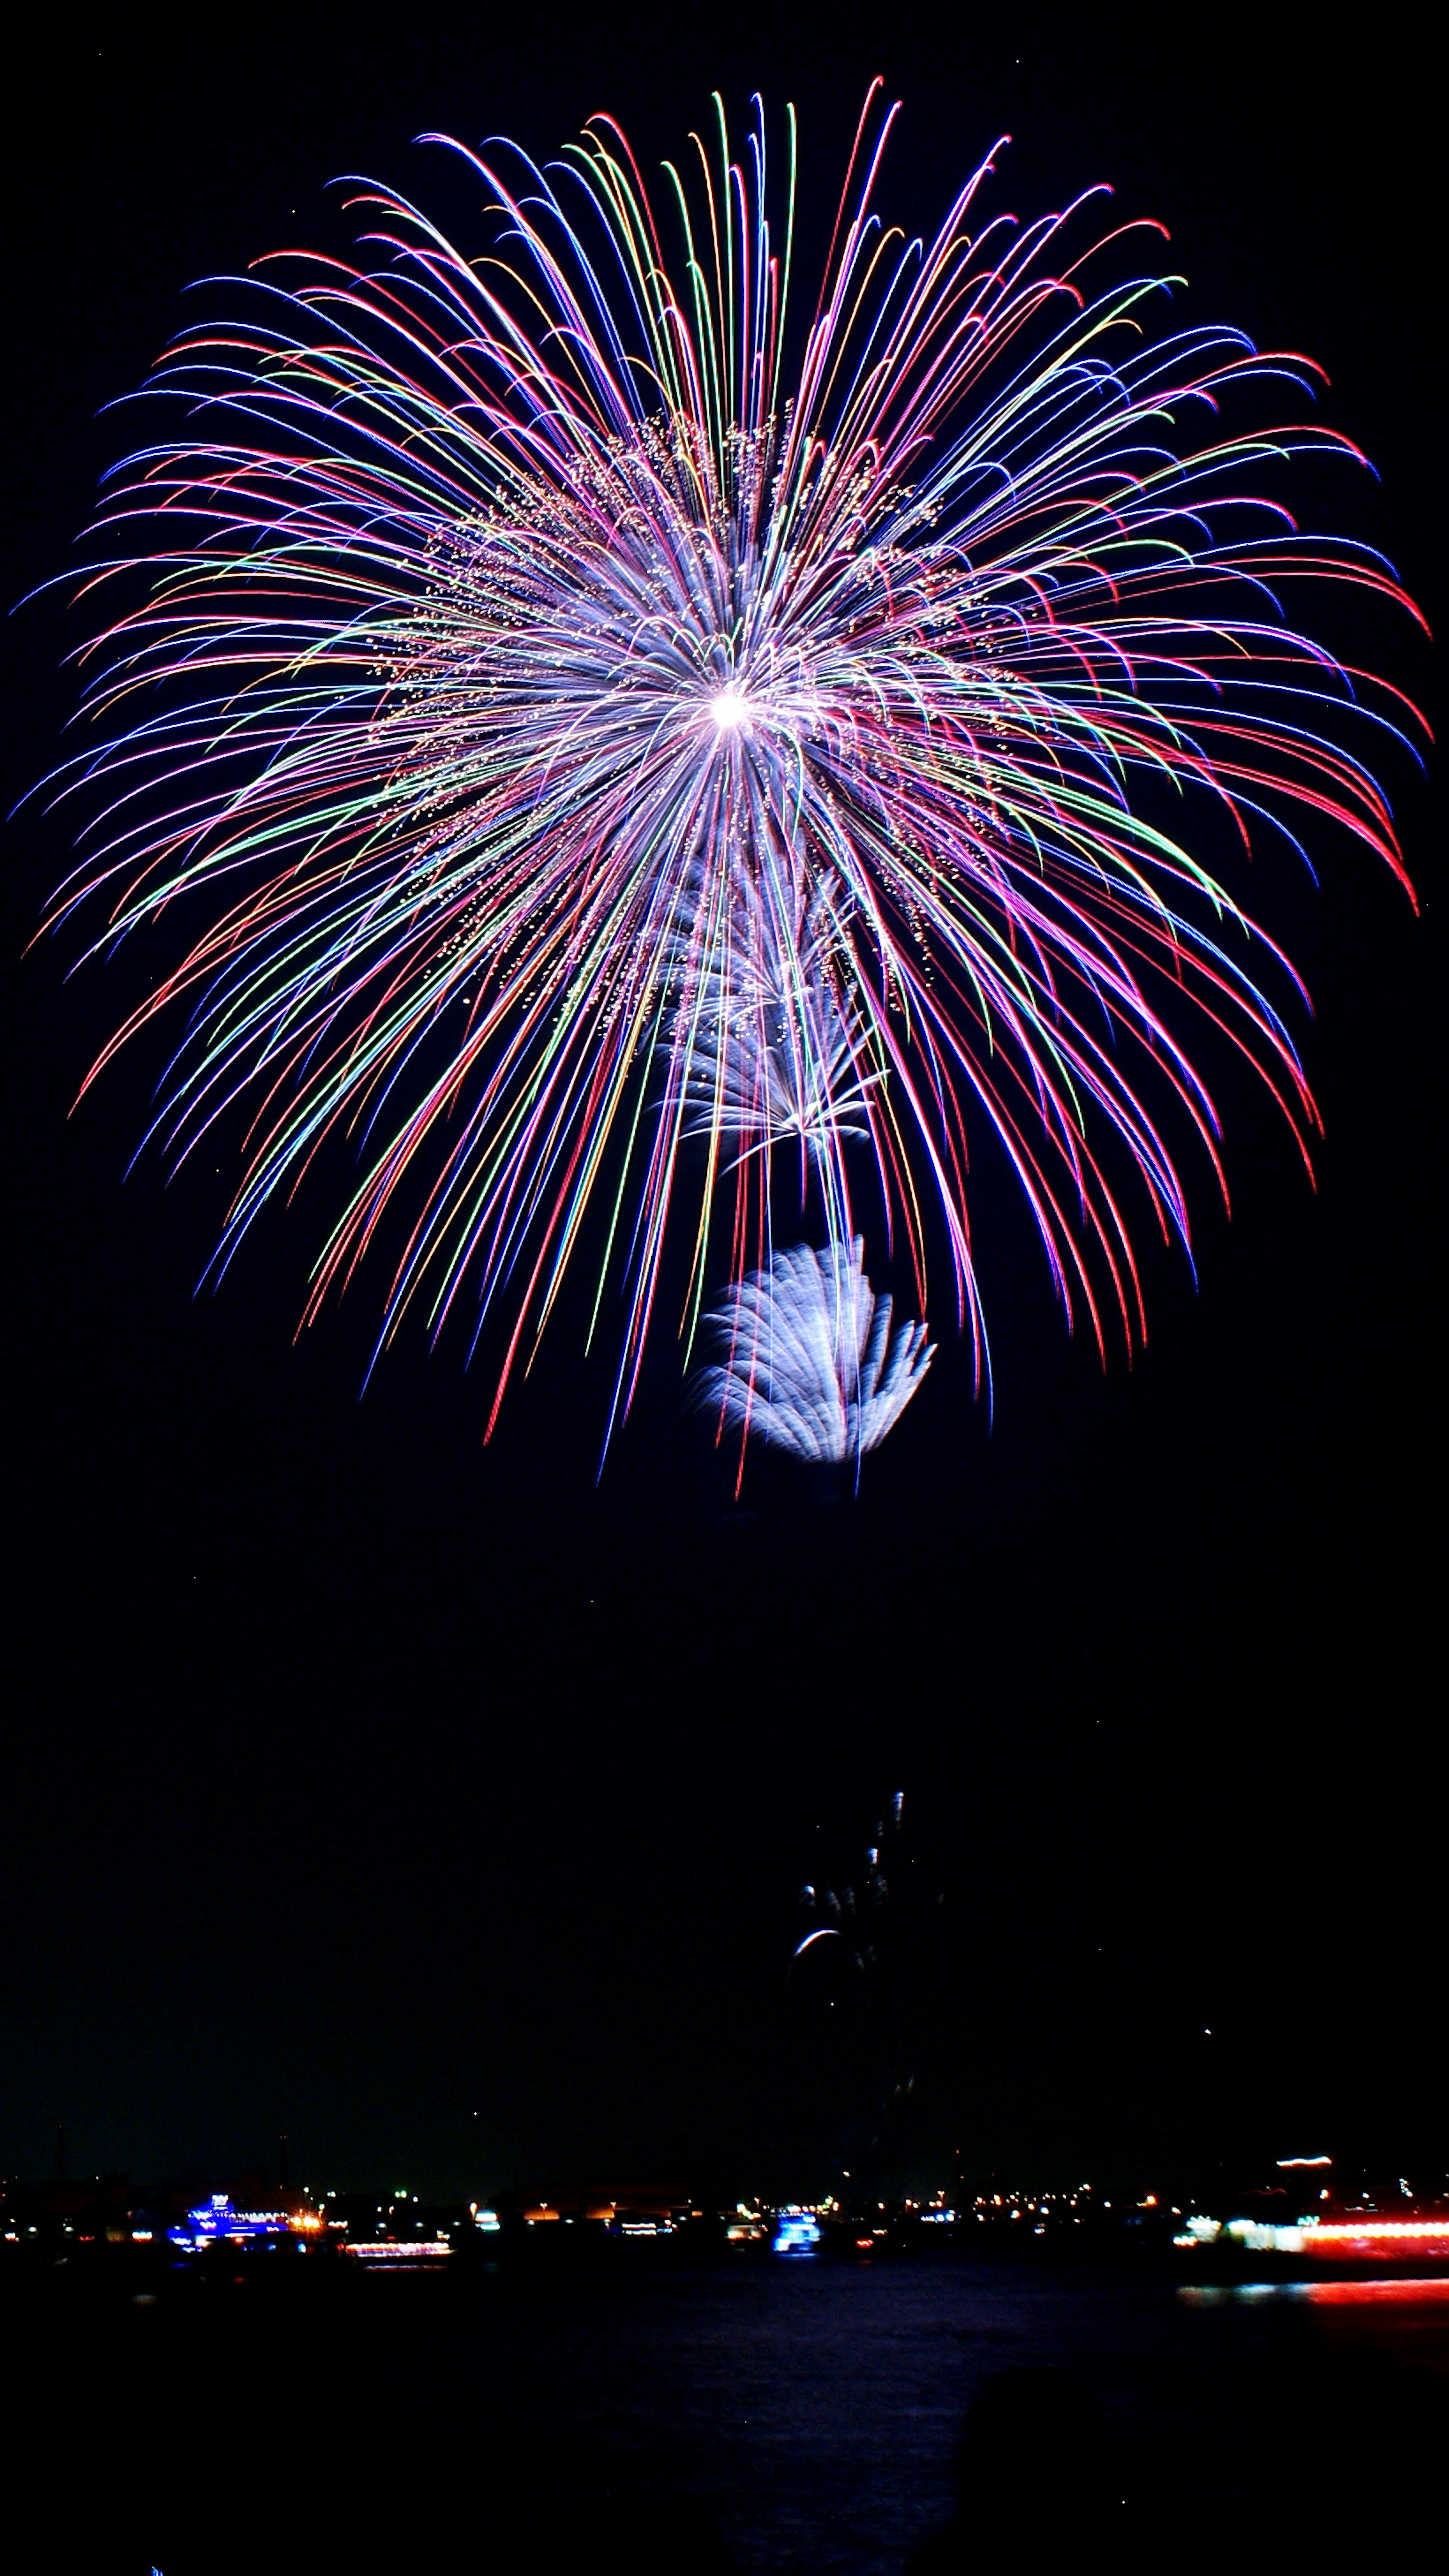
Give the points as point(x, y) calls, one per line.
point(1416, 2232)
point(416, 2249)
point(217, 2223)
point(797, 2231)
point(1330, 2237)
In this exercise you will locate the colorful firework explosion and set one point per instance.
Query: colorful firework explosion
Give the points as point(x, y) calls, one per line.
point(635, 781)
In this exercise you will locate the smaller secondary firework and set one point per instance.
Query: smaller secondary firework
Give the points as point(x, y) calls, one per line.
point(810, 1364)
point(781, 1056)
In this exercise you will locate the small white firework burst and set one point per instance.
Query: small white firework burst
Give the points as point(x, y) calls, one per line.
point(809, 1363)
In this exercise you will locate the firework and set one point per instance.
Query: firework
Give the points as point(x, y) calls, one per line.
point(778, 1053)
point(810, 1364)
point(864, 1974)
point(628, 767)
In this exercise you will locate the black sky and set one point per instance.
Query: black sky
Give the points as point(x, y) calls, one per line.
point(446, 1809)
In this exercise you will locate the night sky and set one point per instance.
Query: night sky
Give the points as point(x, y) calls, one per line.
point(447, 1809)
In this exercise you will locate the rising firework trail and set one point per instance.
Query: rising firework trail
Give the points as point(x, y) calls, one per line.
point(632, 769)
point(864, 1975)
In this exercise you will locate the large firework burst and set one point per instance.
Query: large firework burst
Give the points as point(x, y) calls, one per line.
point(633, 780)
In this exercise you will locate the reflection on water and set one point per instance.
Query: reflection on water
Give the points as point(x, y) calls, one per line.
point(1350, 2294)
point(765, 2415)
point(1321, 2294)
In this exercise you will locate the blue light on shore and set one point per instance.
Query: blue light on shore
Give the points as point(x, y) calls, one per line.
point(216, 2222)
point(797, 2231)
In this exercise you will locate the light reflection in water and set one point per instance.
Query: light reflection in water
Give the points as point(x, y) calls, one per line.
point(1345, 2294)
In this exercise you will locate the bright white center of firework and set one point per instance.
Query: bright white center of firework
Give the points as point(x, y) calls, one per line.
point(728, 709)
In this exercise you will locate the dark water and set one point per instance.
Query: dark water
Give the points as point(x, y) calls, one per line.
point(770, 2416)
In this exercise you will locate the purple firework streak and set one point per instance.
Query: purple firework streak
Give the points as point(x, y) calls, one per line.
point(634, 781)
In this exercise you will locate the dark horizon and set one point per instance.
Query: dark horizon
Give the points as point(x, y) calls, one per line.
point(447, 1808)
